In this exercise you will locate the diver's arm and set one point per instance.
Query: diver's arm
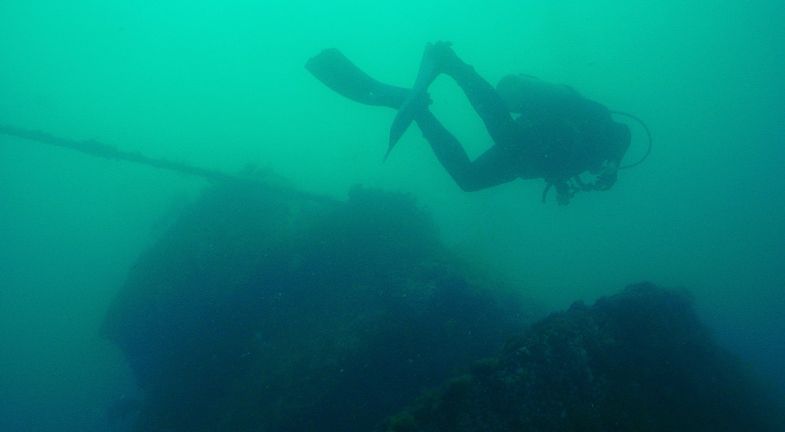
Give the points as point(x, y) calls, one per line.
point(610, 170)
point(619, 144)
point(608, 176)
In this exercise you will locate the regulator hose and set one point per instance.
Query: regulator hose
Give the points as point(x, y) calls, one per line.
point(648, 135)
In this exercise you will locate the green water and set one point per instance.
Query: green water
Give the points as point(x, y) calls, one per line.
point(222, 85)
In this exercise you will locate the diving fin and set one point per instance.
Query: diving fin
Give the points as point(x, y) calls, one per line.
point(417, 97)
point(338, 73)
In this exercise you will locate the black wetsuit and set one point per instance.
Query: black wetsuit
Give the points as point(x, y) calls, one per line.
point(559, 135)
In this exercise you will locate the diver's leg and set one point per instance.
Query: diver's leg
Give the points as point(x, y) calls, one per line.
point(490, 169)
point(340, 74)
point(481, 94)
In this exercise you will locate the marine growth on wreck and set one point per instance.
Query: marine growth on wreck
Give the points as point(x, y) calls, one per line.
point(263, 310)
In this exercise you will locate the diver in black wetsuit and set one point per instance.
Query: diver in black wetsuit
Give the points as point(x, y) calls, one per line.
point(540, 130)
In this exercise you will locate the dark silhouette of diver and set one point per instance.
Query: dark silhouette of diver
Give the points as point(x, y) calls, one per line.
point(540, 130)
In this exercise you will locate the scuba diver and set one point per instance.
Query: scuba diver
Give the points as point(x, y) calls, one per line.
point(539, 130)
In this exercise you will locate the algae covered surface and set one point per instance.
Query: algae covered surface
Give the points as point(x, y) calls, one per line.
point(261, 310)
point(635, 361)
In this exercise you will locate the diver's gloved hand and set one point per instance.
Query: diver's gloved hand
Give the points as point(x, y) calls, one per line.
point(563, 193)
point(607, 177)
